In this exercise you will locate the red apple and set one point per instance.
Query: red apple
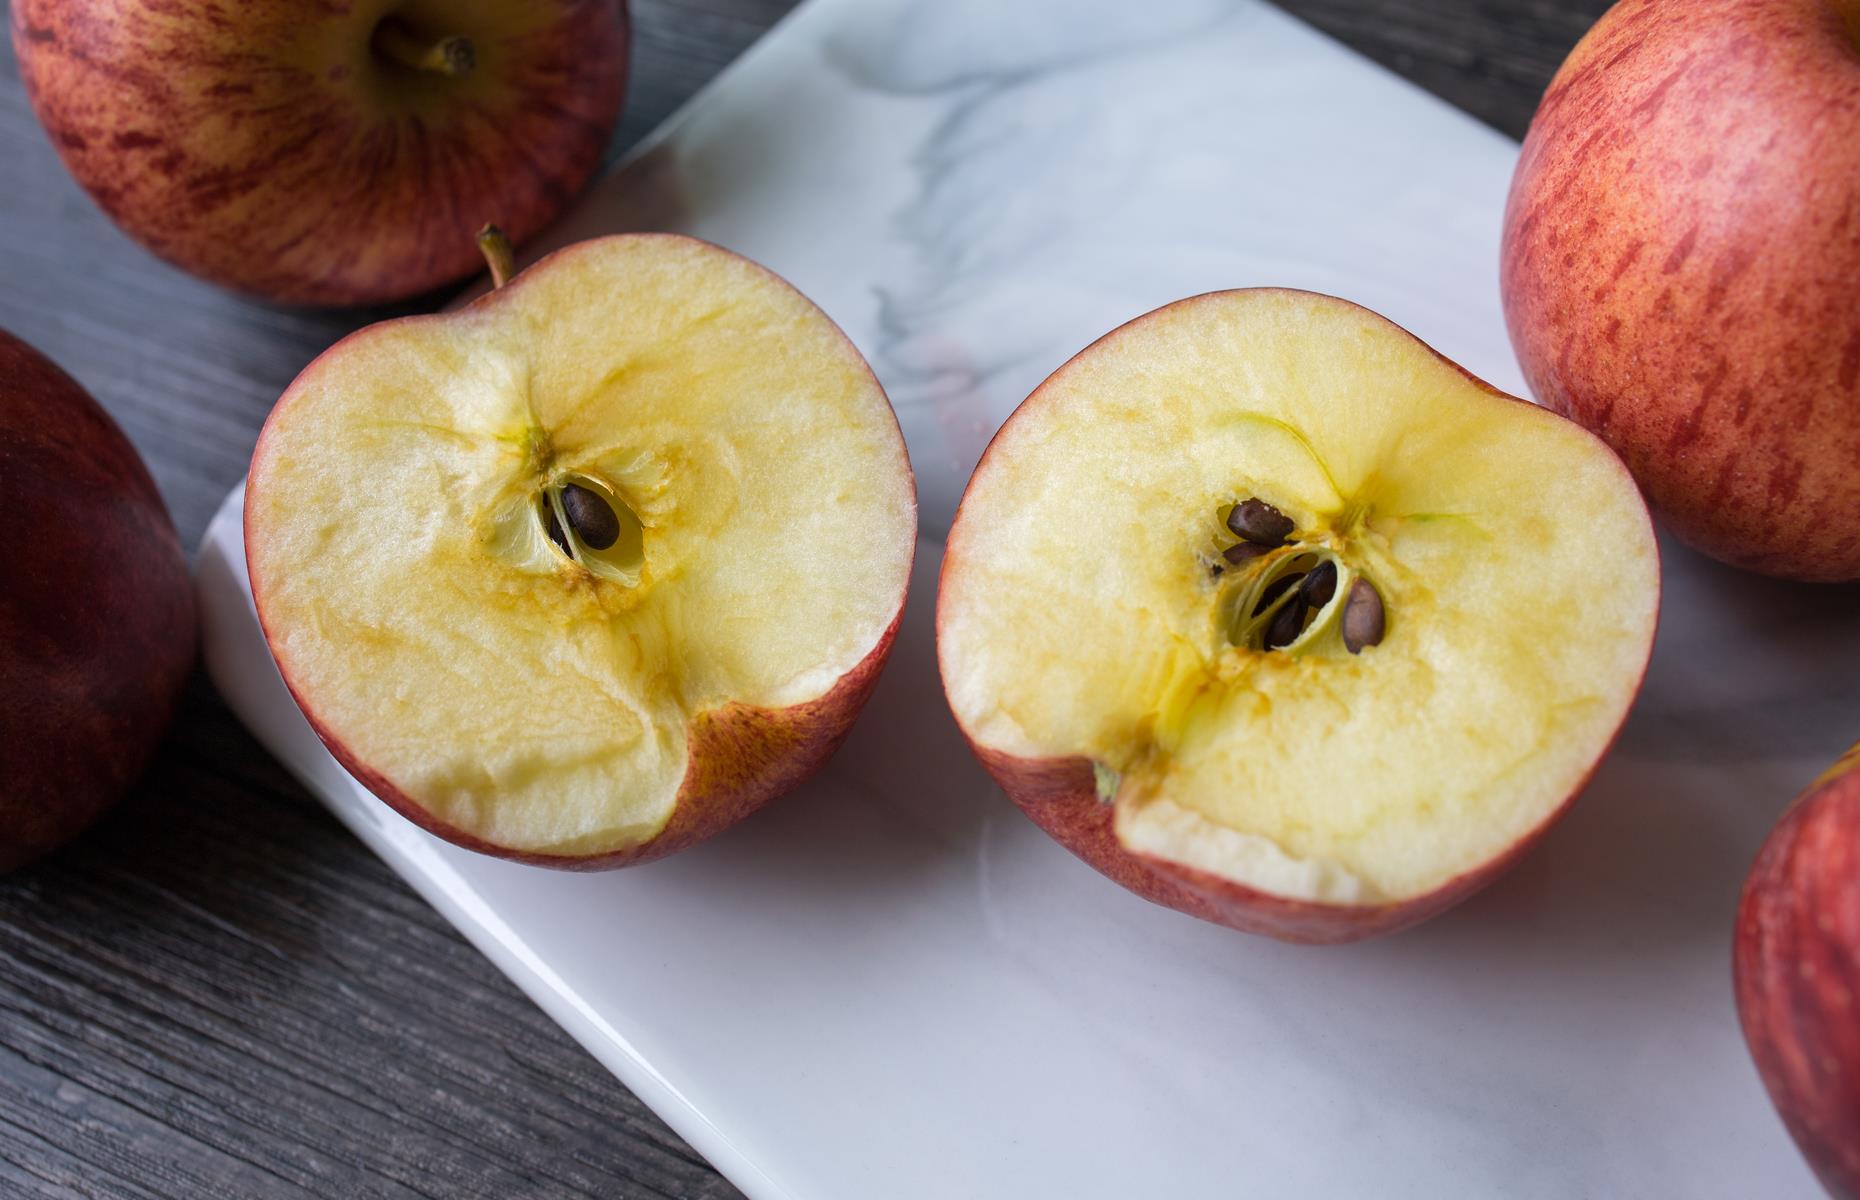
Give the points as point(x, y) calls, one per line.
point(1275, 616)
point(1796, 959)
point(588, 570)
point(325, 153)
point(96, 609)
point(1681, 268)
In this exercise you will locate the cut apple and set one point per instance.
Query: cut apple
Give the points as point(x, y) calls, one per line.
point(586, 571)
point(1272, 614)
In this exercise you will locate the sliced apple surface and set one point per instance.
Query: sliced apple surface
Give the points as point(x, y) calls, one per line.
point(588, 569)
point(1273, 614)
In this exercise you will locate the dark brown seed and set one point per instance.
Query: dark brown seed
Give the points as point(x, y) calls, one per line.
point(1287, 624)
point(591, 517)
point(1362, 617)
point(554, 526)
point(1320, 585)
point(1241, 552)
point(1260, 523)
point(1273, 591)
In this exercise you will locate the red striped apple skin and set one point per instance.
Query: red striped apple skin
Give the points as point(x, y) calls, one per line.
point(1679, 266)
point(1796, 963)
point(1060, 796)
point(262, 145)
point(96, 609)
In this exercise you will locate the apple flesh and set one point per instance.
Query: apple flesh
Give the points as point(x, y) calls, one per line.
point(1796, 960)
point(325, 153)
point(1680, 254)
point(588, 570)
point(1472, 585)
point(96, 609)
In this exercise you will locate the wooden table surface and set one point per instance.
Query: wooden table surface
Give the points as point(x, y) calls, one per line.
point(218, 992)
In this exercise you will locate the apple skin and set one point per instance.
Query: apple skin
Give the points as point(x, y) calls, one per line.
point(1060, 796)
point(1796, 963)
point(96, 610)
point(266, 148)
point(1681, 247)
point(740, 756)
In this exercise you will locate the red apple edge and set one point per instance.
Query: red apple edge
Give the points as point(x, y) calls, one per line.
point(149, 625)
point(1796, 971)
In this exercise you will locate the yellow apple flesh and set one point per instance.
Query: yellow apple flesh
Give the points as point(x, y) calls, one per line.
point(527, 679)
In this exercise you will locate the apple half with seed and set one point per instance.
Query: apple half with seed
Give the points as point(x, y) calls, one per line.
point(1796, 960)
point(591, 568)
point(1272, 614)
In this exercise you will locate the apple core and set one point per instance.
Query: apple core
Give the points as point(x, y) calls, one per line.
point(1280, 596)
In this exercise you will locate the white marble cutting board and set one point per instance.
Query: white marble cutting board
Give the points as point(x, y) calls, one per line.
point(889, 985)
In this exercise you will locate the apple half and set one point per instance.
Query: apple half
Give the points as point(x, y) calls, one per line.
point(1273, 615)
point(1796, 962)
point(591, 568)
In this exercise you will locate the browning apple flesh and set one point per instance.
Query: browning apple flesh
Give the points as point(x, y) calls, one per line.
point(584, 572)
point(1274, 615)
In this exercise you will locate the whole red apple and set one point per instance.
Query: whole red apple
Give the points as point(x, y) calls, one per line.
point(1797, 966)
point(96, 610)
point(1681, 268)
point(325, 153)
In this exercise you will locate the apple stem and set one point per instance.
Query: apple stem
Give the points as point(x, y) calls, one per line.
point(497, 255)
point(451, 55)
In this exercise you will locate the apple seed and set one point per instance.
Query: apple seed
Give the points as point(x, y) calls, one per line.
point(1362, 617)
point(1260, 523)
point(1274, 590)
point(555, 528)
point(1320, 585)
point(1241, 552)
point(591, 517)
point(1287, 624)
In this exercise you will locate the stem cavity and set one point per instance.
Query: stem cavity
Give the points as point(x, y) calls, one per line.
point(452, 55)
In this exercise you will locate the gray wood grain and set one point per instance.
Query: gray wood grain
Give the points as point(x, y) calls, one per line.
point(218, 992)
